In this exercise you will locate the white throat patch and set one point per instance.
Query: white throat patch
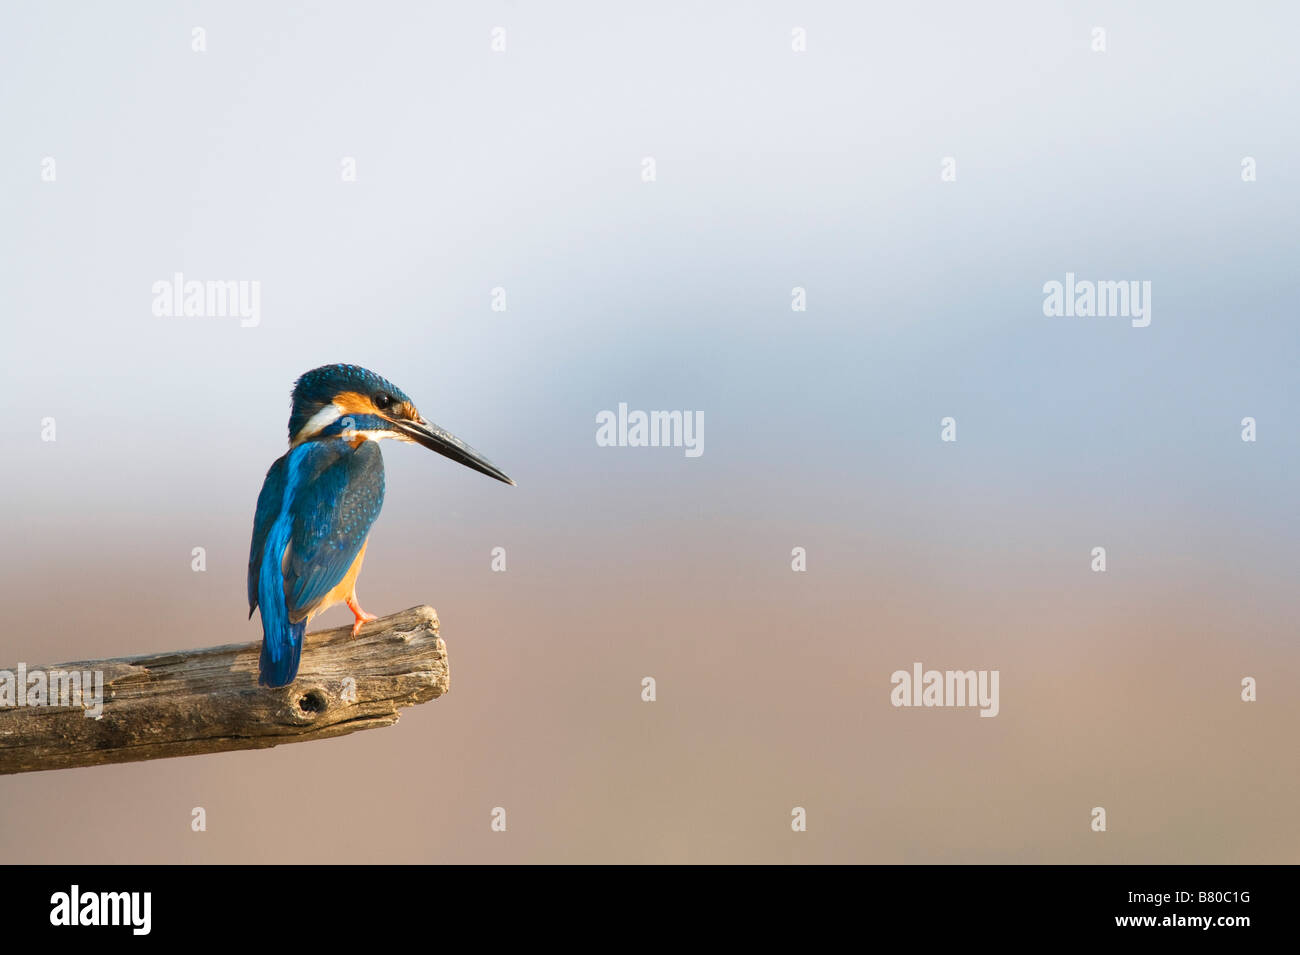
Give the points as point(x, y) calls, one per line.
point(317, 422)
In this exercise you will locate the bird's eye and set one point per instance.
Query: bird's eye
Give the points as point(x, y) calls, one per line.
point(383, 401)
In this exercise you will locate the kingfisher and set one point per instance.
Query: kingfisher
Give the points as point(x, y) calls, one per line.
point(320, 499)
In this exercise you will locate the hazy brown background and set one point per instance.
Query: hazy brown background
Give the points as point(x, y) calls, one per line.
point(821, 428)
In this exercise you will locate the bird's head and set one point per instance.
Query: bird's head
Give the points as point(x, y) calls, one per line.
point(353, 403)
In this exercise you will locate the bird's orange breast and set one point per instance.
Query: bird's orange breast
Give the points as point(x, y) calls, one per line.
point(345, 589)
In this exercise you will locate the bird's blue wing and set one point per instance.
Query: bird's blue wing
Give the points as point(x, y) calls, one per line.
point(332, 515)
point(269, 503)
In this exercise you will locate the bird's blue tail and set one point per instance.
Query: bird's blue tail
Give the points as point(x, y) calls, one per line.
point(281, 639)
point(280, 672)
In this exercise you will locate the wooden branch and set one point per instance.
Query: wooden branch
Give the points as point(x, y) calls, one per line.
point(208, 701)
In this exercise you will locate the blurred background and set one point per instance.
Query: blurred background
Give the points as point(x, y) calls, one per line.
point(522, 170)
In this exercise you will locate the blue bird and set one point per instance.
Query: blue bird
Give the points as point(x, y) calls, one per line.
point(320, 499)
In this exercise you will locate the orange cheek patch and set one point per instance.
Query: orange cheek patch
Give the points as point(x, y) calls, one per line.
point(353, 402)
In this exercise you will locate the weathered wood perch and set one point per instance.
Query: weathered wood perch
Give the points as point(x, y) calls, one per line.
point(208, 701)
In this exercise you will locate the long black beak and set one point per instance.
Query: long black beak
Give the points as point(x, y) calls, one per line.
point(448, 445)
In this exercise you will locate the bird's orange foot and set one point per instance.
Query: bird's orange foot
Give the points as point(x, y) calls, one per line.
point(362, 617)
